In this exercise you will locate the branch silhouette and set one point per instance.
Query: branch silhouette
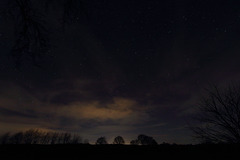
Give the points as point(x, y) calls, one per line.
point(219, 116)
point(32, 43)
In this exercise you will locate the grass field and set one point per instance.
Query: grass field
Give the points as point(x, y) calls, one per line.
point(119, 151)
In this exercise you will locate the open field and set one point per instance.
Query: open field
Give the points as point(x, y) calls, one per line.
point(119, 151)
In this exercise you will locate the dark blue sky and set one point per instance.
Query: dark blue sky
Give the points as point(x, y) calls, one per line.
point(124, 67)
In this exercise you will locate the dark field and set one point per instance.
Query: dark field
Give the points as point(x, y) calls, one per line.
point(119, 151)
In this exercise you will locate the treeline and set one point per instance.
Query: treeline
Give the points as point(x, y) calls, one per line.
point(35, 136)
point(141, 140)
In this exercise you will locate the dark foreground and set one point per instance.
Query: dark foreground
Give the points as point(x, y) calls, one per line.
point(119, 151)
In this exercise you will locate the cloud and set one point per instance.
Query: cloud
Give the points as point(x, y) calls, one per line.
point(20, 107)
point(75, 106)
point(119, 108)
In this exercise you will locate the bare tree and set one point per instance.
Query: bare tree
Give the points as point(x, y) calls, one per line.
point(54, 138)
point(32, 136)
point(4, 139)
point(45, 138)
point(219, 116)
point(28, 137)
point(35, 136)
point(66, 138)
point(32, 25)
point(31, 40)
point(17, 138)
point(60, 138)
point(76, 139)
point(118, 140)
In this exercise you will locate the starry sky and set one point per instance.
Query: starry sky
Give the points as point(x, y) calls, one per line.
point(122, 67)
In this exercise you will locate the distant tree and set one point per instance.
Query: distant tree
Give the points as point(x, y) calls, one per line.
point(76, 139)
point(45, 138)
point(101, 141)
point(146, 140)
point(60, 138)
point(35, 136)
point(54, 138)
point(118, 140)
point(4, 139)
point(219, 116)
point(67, 138)
point(17, 138)
point(28, 137)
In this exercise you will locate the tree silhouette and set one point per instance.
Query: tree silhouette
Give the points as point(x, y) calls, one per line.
point(45, 138)
point(17, 138)
point(4, 139)
point(54, 138)
point(219, 116)
point(76, 139)
point(118, 140)
point(146, 140)
point(35, 136)
point(101, 141)
point(66, 138)
point(30, 137)
point(60, 138)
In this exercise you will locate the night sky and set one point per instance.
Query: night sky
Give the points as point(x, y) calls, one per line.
point(122, 67)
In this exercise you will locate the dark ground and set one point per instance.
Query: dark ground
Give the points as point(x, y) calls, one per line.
point(119, 151)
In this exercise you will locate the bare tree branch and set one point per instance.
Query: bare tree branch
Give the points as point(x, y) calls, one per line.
point(219, 116)
point(32, 41)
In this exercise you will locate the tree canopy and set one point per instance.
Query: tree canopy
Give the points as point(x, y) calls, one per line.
point(118, 140)
point(101, 141)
